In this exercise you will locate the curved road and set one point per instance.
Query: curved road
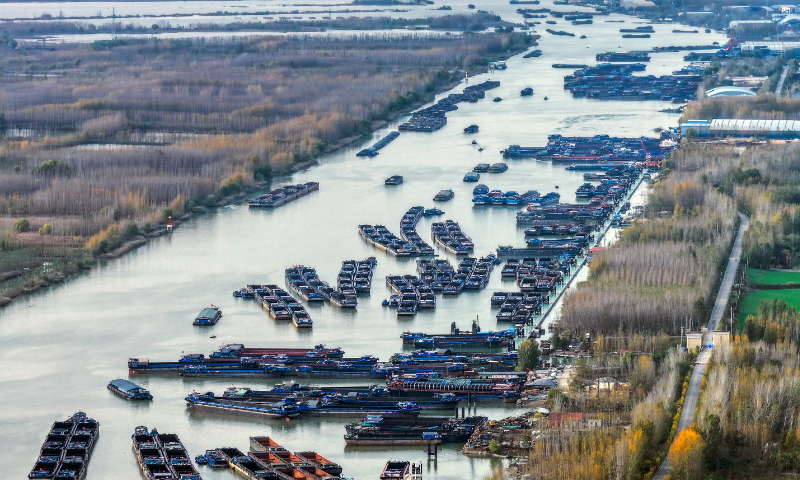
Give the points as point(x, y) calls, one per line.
point(693, 392)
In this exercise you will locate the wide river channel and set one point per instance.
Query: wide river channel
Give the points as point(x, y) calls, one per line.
point(61, 346)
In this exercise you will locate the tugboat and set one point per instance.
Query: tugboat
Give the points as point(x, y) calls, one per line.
point(471, 129)
point(443, 195)
point(208, 316)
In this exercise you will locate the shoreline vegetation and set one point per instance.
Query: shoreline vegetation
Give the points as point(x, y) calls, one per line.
point(27, 29)
point(176, 141)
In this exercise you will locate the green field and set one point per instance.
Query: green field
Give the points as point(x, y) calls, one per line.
point(769, 277)
point(749, 304)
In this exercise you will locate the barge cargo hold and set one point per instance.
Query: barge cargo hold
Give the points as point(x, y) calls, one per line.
point(208, 316)
point(67, 448)
point(128, 390)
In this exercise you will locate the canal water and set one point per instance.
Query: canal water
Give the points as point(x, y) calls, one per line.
point(61, 346)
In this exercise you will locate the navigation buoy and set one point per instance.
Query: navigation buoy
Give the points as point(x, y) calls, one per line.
point(169, 223)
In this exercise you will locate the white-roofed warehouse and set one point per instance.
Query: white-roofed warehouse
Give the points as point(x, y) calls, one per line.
point(722, 127)
point(730, 92)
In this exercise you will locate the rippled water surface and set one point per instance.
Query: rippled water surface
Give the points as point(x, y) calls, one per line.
point(61, 346)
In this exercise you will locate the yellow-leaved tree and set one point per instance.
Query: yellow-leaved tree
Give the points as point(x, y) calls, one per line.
point(686, 456)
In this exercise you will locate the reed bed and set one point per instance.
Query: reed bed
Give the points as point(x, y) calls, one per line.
point(173, 121)
point(659, 277)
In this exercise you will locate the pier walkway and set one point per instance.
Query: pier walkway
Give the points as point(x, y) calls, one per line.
point(693, 392)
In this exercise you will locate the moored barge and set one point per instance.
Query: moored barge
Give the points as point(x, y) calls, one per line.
point(67, 449)
point(162, 456)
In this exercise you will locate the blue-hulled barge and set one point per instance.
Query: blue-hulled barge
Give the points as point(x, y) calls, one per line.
point(128, 390)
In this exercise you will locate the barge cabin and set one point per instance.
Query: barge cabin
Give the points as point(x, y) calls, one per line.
point(208, 316)
point(128, 390)
point(394, 469)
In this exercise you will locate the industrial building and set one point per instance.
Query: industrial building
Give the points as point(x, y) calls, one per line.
point(725, 127)
point(767, 48)
point(730, 92)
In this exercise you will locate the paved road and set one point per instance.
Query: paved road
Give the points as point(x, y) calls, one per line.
point(695, 382)
point(781, 81)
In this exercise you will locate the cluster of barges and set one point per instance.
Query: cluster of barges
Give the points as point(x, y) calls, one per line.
point(473, 338)
point(66, 451)
point(366, 396)
point(305, 282)
point(600, 149)
point(602, 69)
point(448, 234)
point(162, 456)
point(378, 430)
point(519, 308)
point(433, 118)
point(355, 277)
point(268, 459)
point(481, 195)
point(635, 56)
point(410, 295)
point(408, 230)
point(380, 237)
point(598, 193)
point(373, 150)
point(279, 304)
point(675, 88)
point(283, 195)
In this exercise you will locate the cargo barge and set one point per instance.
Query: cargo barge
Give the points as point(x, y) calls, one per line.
point(208, 316)
point(161, 456)
point(373, 150)
point(128, 390)
point(408, 231)
point(448, 234)
point(434, 117)
point(381, 238)
point(67, 448)
point(305, 282)
point(283, 195)
point(377, 430)
point(355, 277)
point(503, 388)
